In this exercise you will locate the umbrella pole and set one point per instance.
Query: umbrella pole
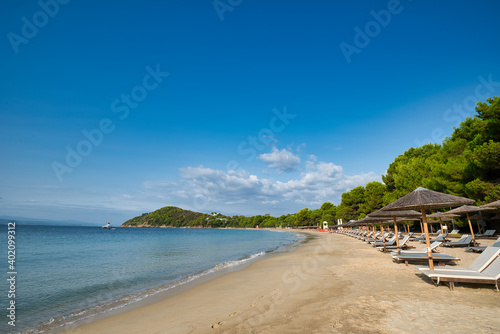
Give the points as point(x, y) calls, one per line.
point(396, 231)
point(426, 231)
point(471, 230)
point(382, 232)
point(478, 228)
point(421, 226)
point(442, 232)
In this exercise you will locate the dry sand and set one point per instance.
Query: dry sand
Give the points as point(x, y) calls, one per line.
point(332, 284)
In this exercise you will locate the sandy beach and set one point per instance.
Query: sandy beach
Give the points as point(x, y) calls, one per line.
point(331, 284)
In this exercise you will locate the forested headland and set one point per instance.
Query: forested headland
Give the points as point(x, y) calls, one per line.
point(465, 164)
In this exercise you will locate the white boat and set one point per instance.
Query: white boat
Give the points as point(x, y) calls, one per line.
point(108, 225)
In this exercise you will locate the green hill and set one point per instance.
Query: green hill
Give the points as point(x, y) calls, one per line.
point(172, 216)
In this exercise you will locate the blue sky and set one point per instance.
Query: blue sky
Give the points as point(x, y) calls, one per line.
point(236, 106)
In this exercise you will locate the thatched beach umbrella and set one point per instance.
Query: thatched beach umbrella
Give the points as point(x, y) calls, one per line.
point(422, 199)
point(495, 204)
point(466, 209)
point(394, 214)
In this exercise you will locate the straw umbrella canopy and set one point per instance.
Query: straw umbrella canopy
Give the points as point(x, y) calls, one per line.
point(495, 204)
point(422, 199)
point(466, 209)
point(394, 215)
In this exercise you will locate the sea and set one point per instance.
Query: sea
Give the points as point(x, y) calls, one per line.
point(65, 275)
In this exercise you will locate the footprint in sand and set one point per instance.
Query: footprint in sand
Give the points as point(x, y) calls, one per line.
point(217, 325)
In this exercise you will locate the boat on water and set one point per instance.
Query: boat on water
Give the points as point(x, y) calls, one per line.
point(108, 225)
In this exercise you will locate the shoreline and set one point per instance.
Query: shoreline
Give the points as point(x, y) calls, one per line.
point(330, 284)
point(133, 301)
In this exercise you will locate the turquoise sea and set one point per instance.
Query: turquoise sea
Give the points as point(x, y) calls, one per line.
point(67, 274)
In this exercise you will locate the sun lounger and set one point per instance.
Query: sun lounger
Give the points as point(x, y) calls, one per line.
point(488, 233)
point(479, 249)
point(463, 242)
point(367, 236)
point(454, 232)
point(434, 246)
point(371, 239)
point(391, 241)
point(479, 264)
point(439, 238)
point(402, 245)
point(420, 237)
point(490, 275)
point(439, 258)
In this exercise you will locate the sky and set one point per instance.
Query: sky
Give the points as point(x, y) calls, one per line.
point(118, 108)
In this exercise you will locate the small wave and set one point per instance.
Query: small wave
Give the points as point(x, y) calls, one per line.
point(96, 310)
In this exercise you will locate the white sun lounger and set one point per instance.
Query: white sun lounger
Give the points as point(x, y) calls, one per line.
point(438, 258)
point(434, 246)
point(402, 244)
point(464, 241)
point(490, 275)
point(389, 242)
point(479, 264)
point(439, 238)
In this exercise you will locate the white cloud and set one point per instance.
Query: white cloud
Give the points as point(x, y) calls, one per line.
point(206, 189)
point(283, 161)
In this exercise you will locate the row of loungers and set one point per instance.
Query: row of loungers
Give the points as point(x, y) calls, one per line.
point(484, 270)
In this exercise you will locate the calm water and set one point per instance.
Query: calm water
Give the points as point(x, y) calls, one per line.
point(65, 274)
